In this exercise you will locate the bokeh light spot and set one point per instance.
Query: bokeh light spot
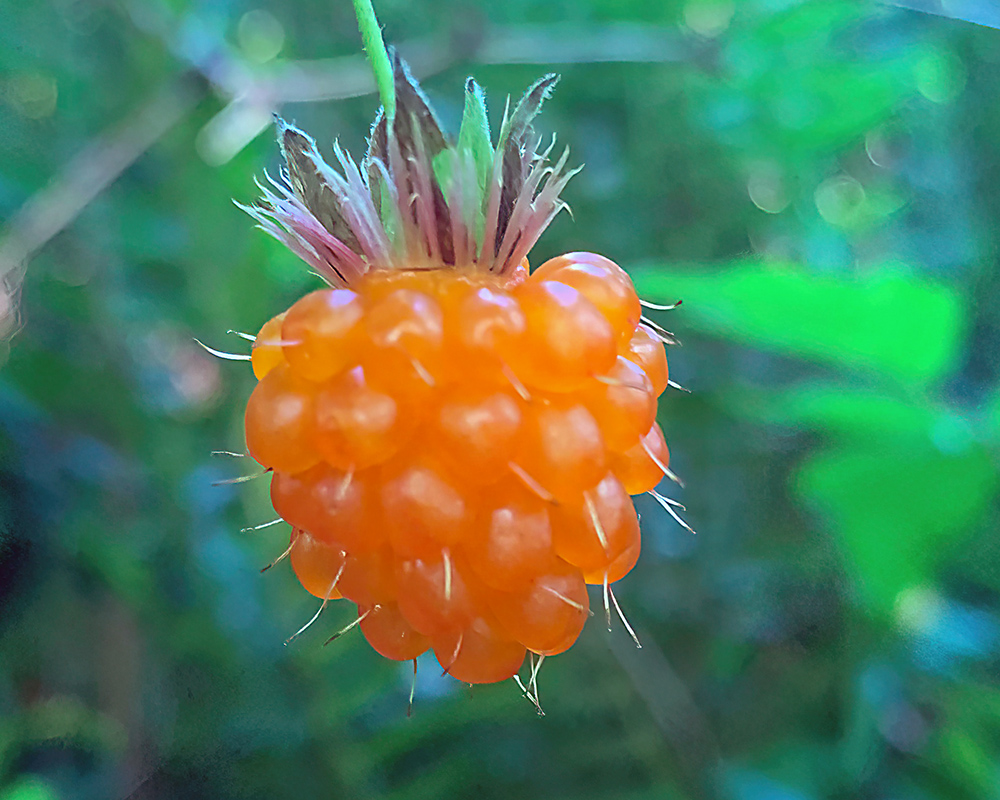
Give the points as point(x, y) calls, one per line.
point(839, 199)
point(261, 36)
point(940, 77)
point(767, 190)
point(32, 94)
point(708, 18)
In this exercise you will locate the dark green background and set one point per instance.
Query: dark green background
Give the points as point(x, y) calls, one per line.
point(818, 182)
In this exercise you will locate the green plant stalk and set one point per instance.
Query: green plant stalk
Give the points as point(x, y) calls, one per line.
point(371, 38)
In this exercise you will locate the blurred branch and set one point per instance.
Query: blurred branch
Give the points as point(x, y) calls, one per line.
point(256, 93)
point(92, 170)
point(253, 93)
point(591, 44)
point(672, 708)
point(317, 80)
point(978, 12)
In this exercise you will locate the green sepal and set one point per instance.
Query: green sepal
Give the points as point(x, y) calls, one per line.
point(474, 134)
point(473, 143)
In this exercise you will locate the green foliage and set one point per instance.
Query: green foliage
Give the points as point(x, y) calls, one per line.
point(28, 789)
point(887, 322)
point(816, 179)
point(899, 512)
point(899, 503)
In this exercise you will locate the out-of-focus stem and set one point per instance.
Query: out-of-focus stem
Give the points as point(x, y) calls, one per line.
point(371, 38)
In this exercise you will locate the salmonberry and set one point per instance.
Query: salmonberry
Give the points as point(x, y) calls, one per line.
point(454, 441)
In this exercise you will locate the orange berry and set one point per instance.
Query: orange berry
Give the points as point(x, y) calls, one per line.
point(480, 653)
point(513, 540)
point(646, 349)
point(358, 426)
point(267, 352)
point(452, 438)
point(566, 339)
point(423, 509)
point(495, 501)
point(485, 325)
point(338, 507)
point(546, 617)
point(637, 471)
point(318, 566)
point(602, 282)
point(518, 275)
point(279, 421)
point(591, 532)
point(623, 403)
point(369, 578)
point(562, 449)
point(433, 594)
point(388, 632)
point(405, 334)
point(476, 429)
point(321, 333)
point(618, 568)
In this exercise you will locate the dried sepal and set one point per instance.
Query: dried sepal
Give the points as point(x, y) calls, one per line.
point(517, 146)
point(417, 201)
point(312, 182)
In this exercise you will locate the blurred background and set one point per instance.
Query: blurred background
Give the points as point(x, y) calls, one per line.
point(818, 180)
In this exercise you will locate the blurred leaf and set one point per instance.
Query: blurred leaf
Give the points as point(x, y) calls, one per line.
point(843, 101)
point(906, 327)
point(992, 415)
point(802, 104)
point(832, 408)
point(979, 12)
point(969, 760)
point(810, 19)
point(29, 788)
point(897, 511)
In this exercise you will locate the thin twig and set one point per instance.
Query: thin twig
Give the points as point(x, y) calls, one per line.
point(95, 167)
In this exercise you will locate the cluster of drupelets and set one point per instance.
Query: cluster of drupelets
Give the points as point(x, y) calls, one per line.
point(456, 451)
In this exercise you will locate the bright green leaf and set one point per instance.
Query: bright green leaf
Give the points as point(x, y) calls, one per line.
point(29, 788)
point(969, 760)
point(888, 321)
point(847, 412)
point(897, 510)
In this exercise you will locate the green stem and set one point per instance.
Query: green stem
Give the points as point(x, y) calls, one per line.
point(371, 38)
